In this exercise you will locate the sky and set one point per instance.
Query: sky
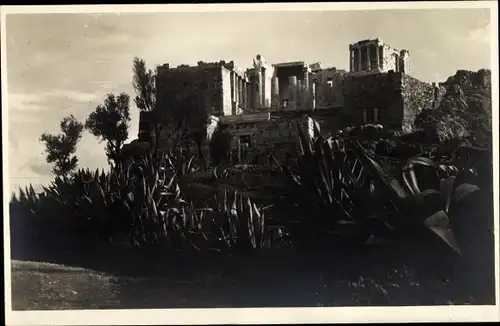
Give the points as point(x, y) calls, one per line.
point(62, 64)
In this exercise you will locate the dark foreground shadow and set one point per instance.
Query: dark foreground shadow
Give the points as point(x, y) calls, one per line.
point(416, 272)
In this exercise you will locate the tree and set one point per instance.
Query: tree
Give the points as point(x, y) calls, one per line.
point(220, 145)
point(196, 119)
point(110, 123)
point(144, 84)
point(186, 113)
point(60, 148)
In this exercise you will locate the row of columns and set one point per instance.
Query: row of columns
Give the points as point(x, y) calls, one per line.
point(296, 88)
point(239, 91)
point(356, 57)
point(296, 93)
point(258, 88)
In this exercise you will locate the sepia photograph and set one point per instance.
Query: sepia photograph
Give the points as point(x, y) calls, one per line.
point(176, 157)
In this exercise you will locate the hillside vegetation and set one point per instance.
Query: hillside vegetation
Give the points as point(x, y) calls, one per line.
point(387, 199)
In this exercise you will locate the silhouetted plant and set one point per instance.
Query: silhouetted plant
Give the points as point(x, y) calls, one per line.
point(110, 123)
point(61, 148)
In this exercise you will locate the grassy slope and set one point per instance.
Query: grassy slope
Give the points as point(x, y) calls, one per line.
point(293, 279)
point(40, 286)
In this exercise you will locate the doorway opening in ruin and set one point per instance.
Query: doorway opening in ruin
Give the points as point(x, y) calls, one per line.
point(246, 141)
point(244, 146)
point(376, 117)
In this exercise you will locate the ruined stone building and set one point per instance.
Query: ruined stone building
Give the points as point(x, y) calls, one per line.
point(260, 105)
point(221, 88)
point(376, 56)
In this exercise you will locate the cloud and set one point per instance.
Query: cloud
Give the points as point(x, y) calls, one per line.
point(73, 95)
point(26, 103)
point(475, 37)
point(37, 102)
point(42, 169)
point(480, 35)
point(30, 115)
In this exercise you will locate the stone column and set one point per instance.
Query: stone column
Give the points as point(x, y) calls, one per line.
point(249, 96)
point(263, 87)
point(258, 89)
point(300, 93)
point(233, 93)
point(306, 88)
point(381, 60)
point(313, 94)
point(260, 92)
point(377, 55)
point(244, 99)
point(368, 58)
point(351, 59)
point(305, 84)
point(360, 62)
point(232, 86)
point(275, 102)
point(235, 87)
point(292, 93)
point(240, 91)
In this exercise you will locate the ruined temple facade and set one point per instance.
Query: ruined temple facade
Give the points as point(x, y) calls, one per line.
point(376, 56)
point(226, 89)
point(259, 104)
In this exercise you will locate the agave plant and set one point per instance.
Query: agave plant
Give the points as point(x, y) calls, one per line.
point(356, 197)
point(433, 206)
point(29, 199)
point(330, 180)
point(144, 200)
point(181, 165)
point(221, 173)
point(241, 224)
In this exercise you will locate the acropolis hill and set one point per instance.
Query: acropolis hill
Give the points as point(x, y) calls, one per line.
point(260, 105)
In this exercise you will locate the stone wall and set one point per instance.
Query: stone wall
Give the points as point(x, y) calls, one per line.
point(417, 96)
point(370, 92)
point(275, 136)
point(390, 58)
point(227, 103)
point(330, 120)
point(204, 85)
point(328, 87)
point(397, 96)
point(277, 133)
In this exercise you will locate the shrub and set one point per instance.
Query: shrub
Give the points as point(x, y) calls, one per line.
point(220, 145)
point(350, 194)
point(145, 202)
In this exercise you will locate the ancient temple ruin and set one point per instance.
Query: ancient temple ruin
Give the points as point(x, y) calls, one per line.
point(258, 104)
point(377, 56)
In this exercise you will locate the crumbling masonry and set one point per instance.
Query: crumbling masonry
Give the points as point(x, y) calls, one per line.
point(259, 104)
